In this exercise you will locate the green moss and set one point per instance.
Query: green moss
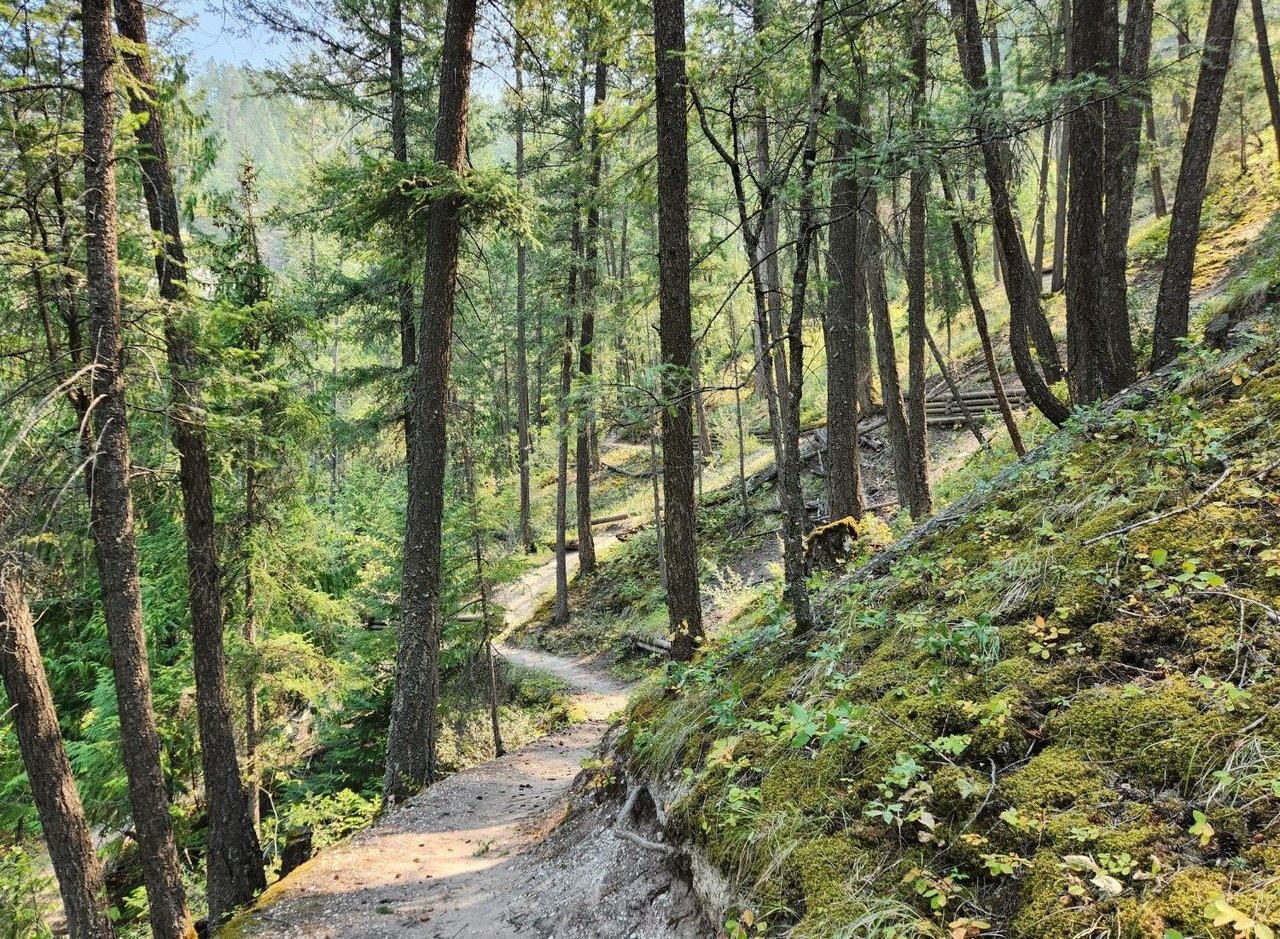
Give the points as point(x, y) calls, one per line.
point(1180, 905)
point(1056, 778)
point(1156, 737)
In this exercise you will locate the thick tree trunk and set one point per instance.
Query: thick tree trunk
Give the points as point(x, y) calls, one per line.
point(919, 499)
point(1089, 361)
point(111, 503)
point(980, 315)
point(35, 723)
point(794, 516)
point(1120, 171)
point(234, 859)
point(1174, 303)
point(684, 604)
point(846, 304)
point(586, 341)
point(1158, 203)
point(522, 344)
point(1268, 68)
point(1020, 285)
point(411, 743)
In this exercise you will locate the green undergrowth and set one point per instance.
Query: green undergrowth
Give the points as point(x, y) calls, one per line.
point(1055, 717)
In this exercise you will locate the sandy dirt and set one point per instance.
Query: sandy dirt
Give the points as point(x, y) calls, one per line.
point(471, 856)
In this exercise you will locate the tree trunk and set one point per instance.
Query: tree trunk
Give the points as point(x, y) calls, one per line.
point(1122, 149)
point(1173, 305)
point(111, 503)
point(560, 610)
point(482, 586)
point(234, 859)
point(522, 344)
point(846, 304)
point(764, 366)
point(400, 153)
point(920, 501)
point(1020, 286)
point(684, 604)
point(1089, 361)
point(1268, 68)
point(654, 473)
point(1059, 279)
point(586, 340)
point(1157, 184)
point(980, 315)
point(886, 357)
point(737, 408)
point(1042, 203)
point(35, 723)
point(794, 515)
point(411, 743)
point(767, 230)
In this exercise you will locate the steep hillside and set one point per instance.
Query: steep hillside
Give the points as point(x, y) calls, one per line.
point(1052, 715)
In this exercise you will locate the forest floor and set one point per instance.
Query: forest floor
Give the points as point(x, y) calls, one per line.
point(501, 849)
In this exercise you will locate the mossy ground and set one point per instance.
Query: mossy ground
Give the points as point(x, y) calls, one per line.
point(1037, 725)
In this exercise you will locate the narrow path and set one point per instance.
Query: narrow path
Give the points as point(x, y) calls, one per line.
point(451, 862)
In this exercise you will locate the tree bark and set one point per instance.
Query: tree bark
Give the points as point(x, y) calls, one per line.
point(764, 366)
point(111, 503)
point(886, 357)
point(1173, 305)
point(1268, 68)
point(794, 514)
point(1122, 148)
point(919, 501)
point(522, 343)
point(411, 743)
point(586, 340)
point(1058, 281)
point(980, 315)
point(767, 231)
point(560, 609)
point(1020, 286)
point(44, 755)
point(846, 304)
point(234, 859)
point(1089, 362)
point(684, 604)
point(1157, 184)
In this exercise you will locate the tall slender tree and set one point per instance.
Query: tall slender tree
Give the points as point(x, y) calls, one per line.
point(794, 514)
point(1268, 68)
point(234, 858)
point(684, 604)
point(1173, 304)
point(523, 440)
point(111, 502)
point(919, 499)
point(1020, 284)
point(411, 742)
point(66, 831)
point(586, 338)
point(846, 305)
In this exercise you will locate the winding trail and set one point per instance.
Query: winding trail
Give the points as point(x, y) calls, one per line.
point(453, 861)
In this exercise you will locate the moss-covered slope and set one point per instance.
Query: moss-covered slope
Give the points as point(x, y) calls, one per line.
point(1054, 717)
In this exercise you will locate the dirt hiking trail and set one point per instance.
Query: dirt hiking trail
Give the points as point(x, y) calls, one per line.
point(479, 854)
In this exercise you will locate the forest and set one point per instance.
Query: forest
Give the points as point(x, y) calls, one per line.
point(734, 468)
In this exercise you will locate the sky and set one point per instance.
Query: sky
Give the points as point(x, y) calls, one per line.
point(214, 34)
